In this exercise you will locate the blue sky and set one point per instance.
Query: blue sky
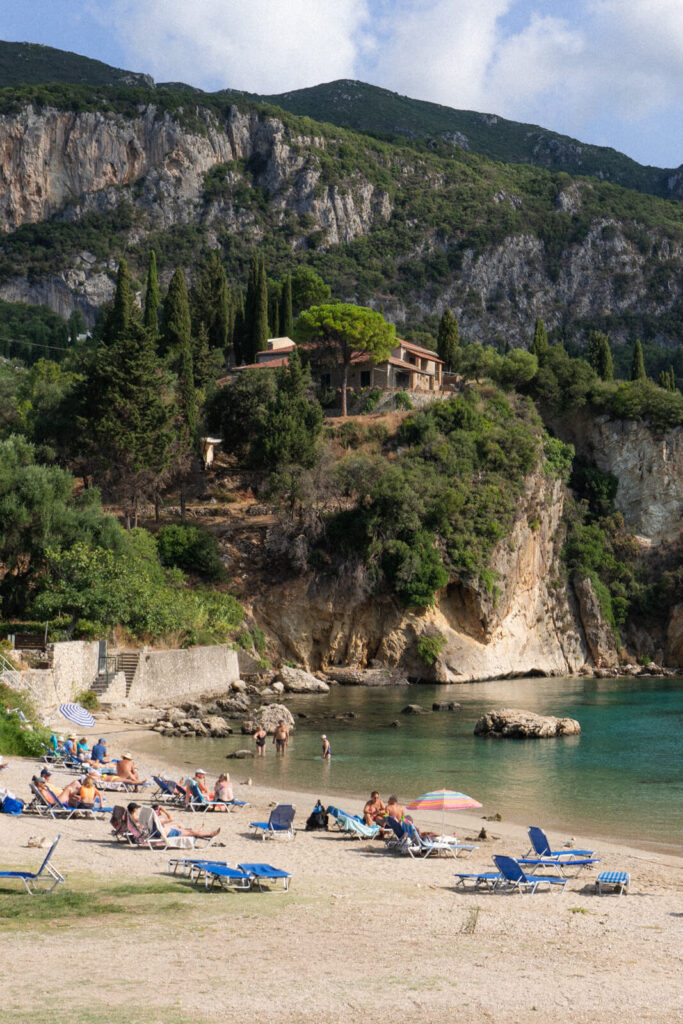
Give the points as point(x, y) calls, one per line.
point(603, 71)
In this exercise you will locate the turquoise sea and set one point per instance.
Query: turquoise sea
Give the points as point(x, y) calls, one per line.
point(621, 778)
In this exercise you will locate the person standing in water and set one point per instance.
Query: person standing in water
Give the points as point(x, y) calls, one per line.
point(281, 737)
point(260, 738)
point(327, 749)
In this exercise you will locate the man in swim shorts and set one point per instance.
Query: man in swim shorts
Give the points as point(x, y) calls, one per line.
point(374, 812)
point(281, 737)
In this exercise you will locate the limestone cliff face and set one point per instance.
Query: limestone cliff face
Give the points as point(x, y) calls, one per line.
point(58, 164)
point(63, 164)
point(529, 624)
point(648, 466)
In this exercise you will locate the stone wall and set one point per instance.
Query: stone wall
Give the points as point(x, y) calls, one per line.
point(168, 676)
point(74, 667)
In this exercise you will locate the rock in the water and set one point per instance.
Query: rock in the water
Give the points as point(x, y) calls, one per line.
point(295, 680)
point(238, 685)
point(446, 705)
point(516, 724)
point(270, 714)
point(240, 754)
point(395, 724)
point(367, 677)
point(414, 709)
point(217, 726)
point(278, 688)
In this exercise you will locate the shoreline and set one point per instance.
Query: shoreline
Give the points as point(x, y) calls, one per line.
point(472, 821)
point(360, 930)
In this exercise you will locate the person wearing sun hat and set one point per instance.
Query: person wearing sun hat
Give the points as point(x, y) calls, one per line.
point(200, 779)
point(126, 770)
point(327, 749)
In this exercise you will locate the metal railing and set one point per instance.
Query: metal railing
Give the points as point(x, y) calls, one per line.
point(11, 676)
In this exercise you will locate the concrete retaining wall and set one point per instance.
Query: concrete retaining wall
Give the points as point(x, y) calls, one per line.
point(163, 677)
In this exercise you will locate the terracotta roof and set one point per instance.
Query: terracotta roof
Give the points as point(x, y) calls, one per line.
point(420, 350)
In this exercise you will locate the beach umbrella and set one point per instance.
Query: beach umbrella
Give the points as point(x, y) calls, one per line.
point(443, 800)
point(76, 714)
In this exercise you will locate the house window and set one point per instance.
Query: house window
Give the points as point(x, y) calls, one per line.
point(325, 380)
point(365, 378)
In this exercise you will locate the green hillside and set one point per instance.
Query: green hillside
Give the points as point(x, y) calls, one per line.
point(33, 64)
point(381, 112)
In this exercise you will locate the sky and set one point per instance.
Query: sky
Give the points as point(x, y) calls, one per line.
point(609, 72)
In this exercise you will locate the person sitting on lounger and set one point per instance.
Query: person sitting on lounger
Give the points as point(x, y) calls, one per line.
point(200, 779)
point(48, 791)
point(394, 809)
point(170, 828)
point(223, 792)
point(126, 770)
point(374, 812)
point(88, 794)
point(70, 746)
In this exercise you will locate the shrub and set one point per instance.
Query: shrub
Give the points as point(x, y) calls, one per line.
point(430, 647)
point(402, 400)
point(192, 550)
point(21, 736)
point(88, 699)
point(370, 400)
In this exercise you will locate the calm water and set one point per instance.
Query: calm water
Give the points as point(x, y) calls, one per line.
point(623, 777)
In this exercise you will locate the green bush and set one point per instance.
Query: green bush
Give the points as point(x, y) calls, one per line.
point(402, 400)
point(20, 737)
point(430, 647)
point(191, 549)
point(370, 400)
point(88, 699)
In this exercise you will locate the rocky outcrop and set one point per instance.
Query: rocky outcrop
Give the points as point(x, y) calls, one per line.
point(598, 633)
point(372, 677)
point(514, 724)
point(648, 466)
point(270, 715)
point(674, 638)
point(528, 624)
point(296, 680)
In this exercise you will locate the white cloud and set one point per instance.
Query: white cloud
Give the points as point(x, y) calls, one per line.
point(440, 50)
point(257, 45)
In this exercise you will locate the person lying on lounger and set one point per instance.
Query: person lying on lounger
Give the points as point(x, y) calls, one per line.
point(170, 828)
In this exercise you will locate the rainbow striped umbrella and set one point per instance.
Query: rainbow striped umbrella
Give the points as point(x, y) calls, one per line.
point(443, 800)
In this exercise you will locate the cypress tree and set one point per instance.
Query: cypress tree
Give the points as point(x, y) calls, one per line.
point(672, 379)
point(638, 363)
point(286, 315)
point(175, 320)
point(152, 299)
point(448, 339)
point(187, 396)
point(600, 355)
point(540, 345)
point(249, 313)
point(238, 333)
point(259, 324)
point(122, 313)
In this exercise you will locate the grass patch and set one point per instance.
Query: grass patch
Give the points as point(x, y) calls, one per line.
point(150, 899)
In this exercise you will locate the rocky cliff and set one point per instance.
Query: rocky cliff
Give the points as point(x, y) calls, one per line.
point(527, 624)
point(647, 464)
point(297, 188)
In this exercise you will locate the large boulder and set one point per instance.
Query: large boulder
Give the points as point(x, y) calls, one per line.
point(367, 676)
point(240, 754)
point(217, 726)
point(414, 709)
point(270, 714)
point(446, 705)
point(295, 680)
point(515, 724)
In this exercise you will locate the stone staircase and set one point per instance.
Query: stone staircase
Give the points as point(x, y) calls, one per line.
point(127, 662)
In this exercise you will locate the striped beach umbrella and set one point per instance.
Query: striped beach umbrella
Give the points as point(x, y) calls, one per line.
point(76, 714)
point(443, 800)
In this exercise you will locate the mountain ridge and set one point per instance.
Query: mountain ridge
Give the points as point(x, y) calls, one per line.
point(349, 103)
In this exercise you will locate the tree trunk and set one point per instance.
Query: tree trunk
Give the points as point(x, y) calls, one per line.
point(345, 379)
point(182, 501)
point(135, 511)
point(157, 506)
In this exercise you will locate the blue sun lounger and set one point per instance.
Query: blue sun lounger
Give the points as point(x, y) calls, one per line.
point(540, 847)
point(355, 828)
point(560, 864)
point(516, 879)
point(260, 873)
point(46, 873)
point(279, 823)
point(219, 872)
point(482, 880)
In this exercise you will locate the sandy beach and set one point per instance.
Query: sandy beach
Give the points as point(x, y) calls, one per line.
point(361, 934)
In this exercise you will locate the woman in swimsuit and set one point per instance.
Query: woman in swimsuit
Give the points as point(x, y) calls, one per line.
point(260, 737)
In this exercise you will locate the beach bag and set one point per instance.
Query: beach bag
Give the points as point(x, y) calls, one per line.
point(10, 805)
point(317, 819)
